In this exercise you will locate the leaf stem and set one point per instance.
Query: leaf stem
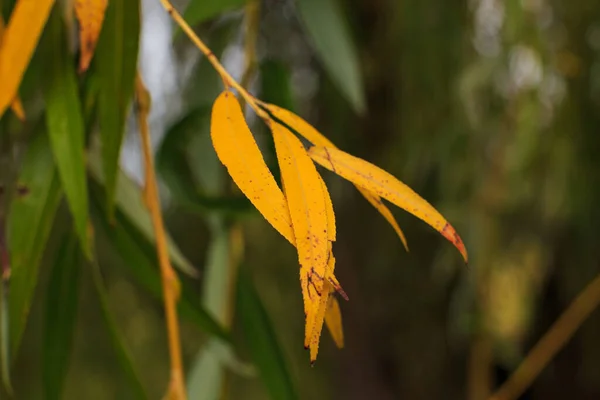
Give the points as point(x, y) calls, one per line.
point(227, 78)
point(554, 340)
point(170, 283)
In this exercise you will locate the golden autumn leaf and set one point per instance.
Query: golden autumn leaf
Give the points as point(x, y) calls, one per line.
point(90, 14)
point(333, 319)
point(385, 185)
point(16, 105)
point(239, 153)
point(318, 139)
point(18, 44)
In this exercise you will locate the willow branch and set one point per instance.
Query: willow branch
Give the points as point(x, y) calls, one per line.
point(554, 340)
point(170, 283)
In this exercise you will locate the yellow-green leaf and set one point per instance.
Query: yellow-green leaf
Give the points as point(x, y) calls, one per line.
point(318, 139)
point(18, 44)
point(375, 179)
point(238, 151)
point(333, 320)
point(90, 14)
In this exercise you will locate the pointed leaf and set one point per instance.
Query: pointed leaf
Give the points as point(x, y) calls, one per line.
point(32, 212)
point(18, 44)
point(262, 341)
point(313, 224)
point(375, 179)
point(333, 320)
point(329, 31)
point(16, 106)
point(307, 131)
point(65, 127)
point(90, 14)
point(238, 151)
point(61, 314)
point(116, 61)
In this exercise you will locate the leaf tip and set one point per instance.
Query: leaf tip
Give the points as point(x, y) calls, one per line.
point(450, 233)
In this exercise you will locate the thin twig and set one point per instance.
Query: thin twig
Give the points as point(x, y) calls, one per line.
point(554, 340)
point(227, 78)
point(176, 388)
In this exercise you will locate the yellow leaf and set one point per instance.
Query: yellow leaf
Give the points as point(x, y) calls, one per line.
point(376, 180)
point(90, 14)
point(319, 318)
point(316, 138)
point(238, 151)
point(333, 319)
point(16, 105)
point(19, 41)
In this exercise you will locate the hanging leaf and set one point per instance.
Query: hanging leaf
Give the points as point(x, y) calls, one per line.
point(16, 105)
point(238, 151)
point(116, 62)
point(65, 127)
point(326, 26)
point(90, 14)
point(18, 44)
point(262, 341)
point(306, 130)
point(61, 314)
point(375, 179)
point(30, 219)
point(333, 320)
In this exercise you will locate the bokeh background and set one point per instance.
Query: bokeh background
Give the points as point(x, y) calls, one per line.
point(489, 109)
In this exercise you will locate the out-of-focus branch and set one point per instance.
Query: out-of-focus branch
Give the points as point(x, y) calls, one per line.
point(554, 340)
point(170, 283)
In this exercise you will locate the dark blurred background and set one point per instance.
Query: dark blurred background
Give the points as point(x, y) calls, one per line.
point(489, 109)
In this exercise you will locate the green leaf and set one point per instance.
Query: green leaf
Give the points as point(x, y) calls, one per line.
point(30, 220)
point(65, 126)
point(61, 315)
point(328, 29)
point(116, 64)
point(201, 10)
point(121, 350)
point(262, 341)
point(140, 259)
point(174, 169)
point(276, 84)
point(128, 197)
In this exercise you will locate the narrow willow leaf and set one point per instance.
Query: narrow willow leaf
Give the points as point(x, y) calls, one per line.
point(262, 341)
point(121, 350)
point(129, 201)
point(307, 131)
point(333, 320)
point(238, 151)
point(116, 61)
point(30, 219)
point(326, 26)
point(61, 312)
point(139, 257)
point(16, 106)
point(65, 127)
point(313, 220)
point(18, 44)
point(376, 180)
point(199, 11)
point(90, 14)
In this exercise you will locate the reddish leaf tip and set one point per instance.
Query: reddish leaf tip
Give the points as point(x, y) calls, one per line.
point(450, 233)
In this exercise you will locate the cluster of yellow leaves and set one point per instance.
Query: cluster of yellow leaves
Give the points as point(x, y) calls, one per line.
point(303, 212)
point(19, 40)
